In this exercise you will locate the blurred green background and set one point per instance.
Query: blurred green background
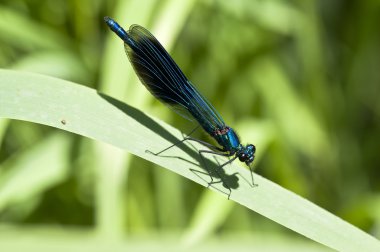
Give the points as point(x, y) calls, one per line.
point(300, 79)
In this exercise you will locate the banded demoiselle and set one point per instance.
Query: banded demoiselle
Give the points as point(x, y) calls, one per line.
point(164, 79)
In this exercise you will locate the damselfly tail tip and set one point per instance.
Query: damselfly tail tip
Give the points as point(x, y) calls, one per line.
point(116, 28)
point(111, 23)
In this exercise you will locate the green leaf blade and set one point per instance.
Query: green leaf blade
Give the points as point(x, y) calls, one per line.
point(81, 110)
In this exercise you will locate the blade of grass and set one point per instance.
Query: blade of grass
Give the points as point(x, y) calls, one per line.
point(86, 112)
point(34, 171)
point(30, 34)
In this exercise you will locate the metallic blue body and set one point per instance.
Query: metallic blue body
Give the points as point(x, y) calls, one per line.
point(165, 80)
point(228, 139)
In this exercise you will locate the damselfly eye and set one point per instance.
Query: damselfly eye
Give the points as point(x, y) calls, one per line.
point(251, 147)
point(242, 157)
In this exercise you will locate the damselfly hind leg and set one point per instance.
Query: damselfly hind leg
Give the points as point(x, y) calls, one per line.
point(175, 144)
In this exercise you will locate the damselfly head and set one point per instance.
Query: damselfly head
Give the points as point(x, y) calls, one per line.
point(247, 154)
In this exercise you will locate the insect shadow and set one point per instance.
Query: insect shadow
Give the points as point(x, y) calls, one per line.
point(211, 169)
point(229, 181)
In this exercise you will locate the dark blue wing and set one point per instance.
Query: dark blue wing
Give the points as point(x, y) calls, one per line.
point(165, 80)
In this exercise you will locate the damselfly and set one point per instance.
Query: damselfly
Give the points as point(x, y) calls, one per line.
point(165, 80)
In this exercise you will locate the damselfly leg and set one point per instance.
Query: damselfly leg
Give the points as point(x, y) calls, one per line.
point(215, 150)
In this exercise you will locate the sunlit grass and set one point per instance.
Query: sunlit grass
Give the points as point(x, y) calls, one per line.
point(299, 80)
